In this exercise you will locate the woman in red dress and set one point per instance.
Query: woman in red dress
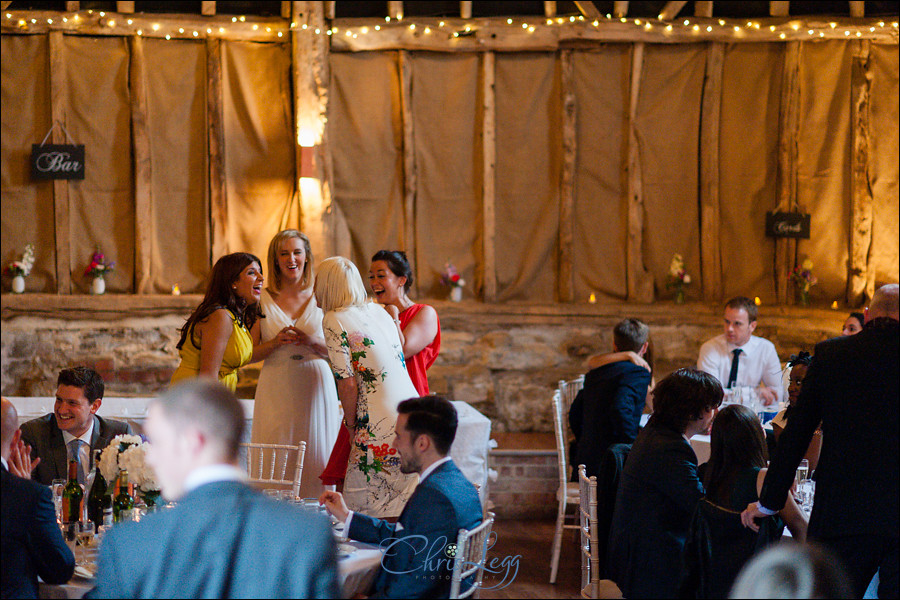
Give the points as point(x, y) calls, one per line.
point(390, 278)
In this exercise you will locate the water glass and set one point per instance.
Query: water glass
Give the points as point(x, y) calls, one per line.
point(273, 494)
point(56, 487)
point(802, 471)
point(286, 495)
point(84, 538)
point(807, 495)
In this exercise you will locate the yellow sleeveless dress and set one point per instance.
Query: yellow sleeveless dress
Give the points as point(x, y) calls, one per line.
point(237, 354)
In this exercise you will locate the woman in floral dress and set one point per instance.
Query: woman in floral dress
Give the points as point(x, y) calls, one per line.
point(367, 359)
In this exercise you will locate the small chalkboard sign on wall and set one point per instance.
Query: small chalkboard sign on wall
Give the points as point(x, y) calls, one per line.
point(57, 161)
point(787, 225)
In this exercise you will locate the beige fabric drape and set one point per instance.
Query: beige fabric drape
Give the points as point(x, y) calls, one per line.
point(668, 130)
point(366, 136)
point(446, 127)
point(529, 162)
point(259, 144)
point(883, 157)
point(748, 166)
point(101, 206)
point(27, 206)
point(823, 163)
point(176, 106)
point(601, 209)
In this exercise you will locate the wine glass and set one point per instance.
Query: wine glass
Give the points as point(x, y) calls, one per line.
point(802, 473)
point(84, 537)
point(56, 487)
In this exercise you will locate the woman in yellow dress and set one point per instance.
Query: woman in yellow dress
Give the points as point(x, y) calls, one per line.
point(215, 341)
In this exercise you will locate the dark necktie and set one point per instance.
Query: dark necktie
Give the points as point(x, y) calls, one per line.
point(732, 377)
point(75, 449)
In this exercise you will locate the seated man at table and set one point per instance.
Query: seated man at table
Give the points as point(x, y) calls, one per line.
point(73, 430)
point(416, 564)
point(31, 541)
point(659, 488)
point(223, 539)
point(737, 358)
point(607, 410)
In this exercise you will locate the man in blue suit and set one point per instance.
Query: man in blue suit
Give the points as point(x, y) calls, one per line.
point(223, 539)
point(31, 541)
point(417, 561)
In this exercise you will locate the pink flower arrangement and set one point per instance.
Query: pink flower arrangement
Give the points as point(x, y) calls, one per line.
point(450, 277)
point(98, 267)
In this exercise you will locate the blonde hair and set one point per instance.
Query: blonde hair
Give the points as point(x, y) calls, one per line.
point(308, 276)
point(338, 284)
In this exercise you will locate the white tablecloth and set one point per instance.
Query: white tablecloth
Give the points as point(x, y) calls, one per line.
point(471, 447)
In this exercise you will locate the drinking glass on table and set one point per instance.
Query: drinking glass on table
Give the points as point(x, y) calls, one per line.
point(56, 487)
point(84, 538)
point(802, 471)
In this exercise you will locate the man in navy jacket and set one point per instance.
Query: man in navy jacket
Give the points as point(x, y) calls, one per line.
point(417, 561)
point(608, 408)
point(31, 541)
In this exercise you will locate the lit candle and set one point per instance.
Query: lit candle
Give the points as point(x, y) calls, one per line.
point(175, 290)
point(592, 299)
point(834, 305)
point(757, 301)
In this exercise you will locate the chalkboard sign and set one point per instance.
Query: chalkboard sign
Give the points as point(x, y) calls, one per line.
point(787, 225)
point(57, 161)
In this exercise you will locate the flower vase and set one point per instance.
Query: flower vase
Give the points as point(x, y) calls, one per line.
point(456, 294)
point(679, 297)
point(804, 298)
point(18, 284)
point(98, 286)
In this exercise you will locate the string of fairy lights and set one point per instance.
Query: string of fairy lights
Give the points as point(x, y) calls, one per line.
point(456, 29)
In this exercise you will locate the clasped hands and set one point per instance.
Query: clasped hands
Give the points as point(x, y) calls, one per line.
point(291, 335)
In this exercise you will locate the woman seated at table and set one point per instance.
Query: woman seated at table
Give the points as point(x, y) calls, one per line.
point(798, 364)
point(659, 489)
point(734, 475)
point(215, 340)
point(367, 360)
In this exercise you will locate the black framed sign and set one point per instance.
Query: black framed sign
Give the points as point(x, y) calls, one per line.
point(787, 225)
point(57, 161)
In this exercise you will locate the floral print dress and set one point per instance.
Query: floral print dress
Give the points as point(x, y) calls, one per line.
point(363, 343)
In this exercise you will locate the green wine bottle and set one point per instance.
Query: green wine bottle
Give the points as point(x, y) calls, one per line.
point(72, 496)
point(123, 503)
point(98, 497)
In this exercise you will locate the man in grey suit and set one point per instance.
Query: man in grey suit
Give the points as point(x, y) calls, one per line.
point(73, 430)
point(223, 539)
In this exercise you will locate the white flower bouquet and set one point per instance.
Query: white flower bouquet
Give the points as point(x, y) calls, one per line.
point(128, 452)
point(23, 266)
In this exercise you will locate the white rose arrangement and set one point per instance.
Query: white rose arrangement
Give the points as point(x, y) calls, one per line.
point(128, 452)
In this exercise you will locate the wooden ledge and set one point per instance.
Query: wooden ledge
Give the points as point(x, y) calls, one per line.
point(120, 306)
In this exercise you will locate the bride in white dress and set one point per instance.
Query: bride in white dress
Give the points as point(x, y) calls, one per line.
point(296, 397)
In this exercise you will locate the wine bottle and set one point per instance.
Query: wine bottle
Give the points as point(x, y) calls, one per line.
point(98, 496)
point(123, 503)
point(72, 496)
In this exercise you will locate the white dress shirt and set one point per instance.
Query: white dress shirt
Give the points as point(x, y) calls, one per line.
point(757, 363)
point(84, 452)
point(212, 474)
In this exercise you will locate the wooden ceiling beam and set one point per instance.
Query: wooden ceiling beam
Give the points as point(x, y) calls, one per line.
point(549, 9)
point(671, 10)
point(703, 9)
point(126, 8)
point(857, 9)
point(395, 9)
point(779, 9)
point(207, 8)
point(620, 9)
point(588, 10)
point(465, 10)
point(5, 4)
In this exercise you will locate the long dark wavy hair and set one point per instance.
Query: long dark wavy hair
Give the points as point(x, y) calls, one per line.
point(737, 443)
point(219, 294)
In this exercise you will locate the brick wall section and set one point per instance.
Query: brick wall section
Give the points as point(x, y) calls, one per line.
point(526, 484)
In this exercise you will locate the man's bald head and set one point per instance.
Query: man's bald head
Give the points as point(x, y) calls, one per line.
point(9, 426)
point(885, 303)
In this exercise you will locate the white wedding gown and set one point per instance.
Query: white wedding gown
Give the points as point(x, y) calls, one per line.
point(296, 397)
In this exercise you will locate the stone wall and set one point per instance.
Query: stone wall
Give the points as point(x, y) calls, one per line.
point(505, 360)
